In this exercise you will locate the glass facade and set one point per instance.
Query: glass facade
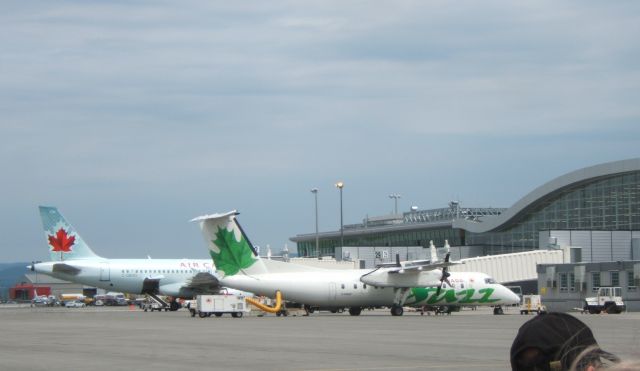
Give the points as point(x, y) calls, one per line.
point(418, 237)
point(612, 203)
point(606, 203)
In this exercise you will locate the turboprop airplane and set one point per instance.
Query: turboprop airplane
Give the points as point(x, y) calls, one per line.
point(413, 283)
point(73, 260)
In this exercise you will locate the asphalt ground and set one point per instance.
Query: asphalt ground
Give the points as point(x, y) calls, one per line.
point(125, 339)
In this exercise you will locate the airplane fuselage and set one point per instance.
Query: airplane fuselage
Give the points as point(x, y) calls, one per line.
point(166, 276)
point(337, 288)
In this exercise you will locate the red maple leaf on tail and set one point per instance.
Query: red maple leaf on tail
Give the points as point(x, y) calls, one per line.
point(61, 241)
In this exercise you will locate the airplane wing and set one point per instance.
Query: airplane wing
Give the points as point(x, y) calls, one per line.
point(204, 283)
point(416, 273)
point(420, 265)
point(66, 269)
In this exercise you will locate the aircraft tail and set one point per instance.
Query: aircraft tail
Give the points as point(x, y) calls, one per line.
point(229, 246)
point(63, 240)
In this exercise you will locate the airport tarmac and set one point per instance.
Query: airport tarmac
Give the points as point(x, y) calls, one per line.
point(120, 338)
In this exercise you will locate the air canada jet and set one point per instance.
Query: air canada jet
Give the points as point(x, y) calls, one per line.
point(73, 260)
point(412, 283)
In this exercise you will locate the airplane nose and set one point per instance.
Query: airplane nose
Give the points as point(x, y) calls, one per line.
point(513, 297)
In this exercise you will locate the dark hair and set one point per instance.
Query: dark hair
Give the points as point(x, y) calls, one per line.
point(555, 341)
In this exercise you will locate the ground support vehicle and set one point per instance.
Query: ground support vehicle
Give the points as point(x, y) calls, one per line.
point(154, 302)
point(152, 305)
point(532, 304)
point(608, 300)
point(293, 309)
point(206, 305)
point(75, 304)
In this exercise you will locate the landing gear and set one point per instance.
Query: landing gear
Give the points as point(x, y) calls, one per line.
point(396, 310)
point(355, 311)
point(309, 309)
point(498, 310)
point(174, 305)
point(400, 298)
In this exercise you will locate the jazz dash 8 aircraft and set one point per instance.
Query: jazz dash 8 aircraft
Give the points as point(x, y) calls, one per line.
point(413, 283)
point(73, 260)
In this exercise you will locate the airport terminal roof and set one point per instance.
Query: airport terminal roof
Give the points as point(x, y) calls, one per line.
point(547, 191)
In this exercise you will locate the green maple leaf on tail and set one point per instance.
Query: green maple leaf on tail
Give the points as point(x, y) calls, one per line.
point(234, 255)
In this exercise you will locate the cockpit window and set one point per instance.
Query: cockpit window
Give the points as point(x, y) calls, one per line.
point(489, 280)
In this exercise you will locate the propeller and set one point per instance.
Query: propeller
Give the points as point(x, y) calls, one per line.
point(445, 275)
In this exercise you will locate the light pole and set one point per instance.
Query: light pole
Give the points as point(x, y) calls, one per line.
point(340, 185)
point(315, 193)
point(395, 196)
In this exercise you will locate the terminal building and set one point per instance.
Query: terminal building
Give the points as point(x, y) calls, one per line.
point(592, 213)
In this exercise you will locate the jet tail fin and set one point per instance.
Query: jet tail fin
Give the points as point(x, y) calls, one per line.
point(229, 246)
point(63, 240)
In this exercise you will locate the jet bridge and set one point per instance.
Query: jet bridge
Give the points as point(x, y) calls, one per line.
point(515, 267)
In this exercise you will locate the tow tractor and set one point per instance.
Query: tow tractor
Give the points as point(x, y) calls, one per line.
point(608, 299)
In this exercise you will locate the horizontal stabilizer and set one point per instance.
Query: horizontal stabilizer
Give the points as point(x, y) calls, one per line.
point(66, 269)
point(214, 216)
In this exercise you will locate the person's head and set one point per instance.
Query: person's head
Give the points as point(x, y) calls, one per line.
point(556, 341)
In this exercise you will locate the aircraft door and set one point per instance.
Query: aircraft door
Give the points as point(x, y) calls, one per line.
point(105, 274)
point(332, 290)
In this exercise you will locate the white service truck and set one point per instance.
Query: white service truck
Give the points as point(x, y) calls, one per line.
point(532, 304)
point(206, 305)
point(608, 299)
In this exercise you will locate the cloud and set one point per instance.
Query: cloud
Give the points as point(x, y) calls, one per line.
point(148, 101)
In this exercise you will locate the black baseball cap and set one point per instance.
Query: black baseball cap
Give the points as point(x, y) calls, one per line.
point(553, 341)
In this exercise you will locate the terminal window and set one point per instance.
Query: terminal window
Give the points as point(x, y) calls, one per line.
point(595, 281)
point(631, 283)
point(615, 279)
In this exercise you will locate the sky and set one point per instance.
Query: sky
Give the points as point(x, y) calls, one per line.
point(133, 117)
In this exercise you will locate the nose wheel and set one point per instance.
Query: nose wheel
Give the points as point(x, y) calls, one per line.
point(498, 310)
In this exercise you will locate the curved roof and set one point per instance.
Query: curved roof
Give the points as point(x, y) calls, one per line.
point(547, 191)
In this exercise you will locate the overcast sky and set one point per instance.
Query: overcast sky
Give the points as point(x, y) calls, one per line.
point(133, 117)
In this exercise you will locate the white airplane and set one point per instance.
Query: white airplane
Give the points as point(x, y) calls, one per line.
point(414, 283)
point(73, 260)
